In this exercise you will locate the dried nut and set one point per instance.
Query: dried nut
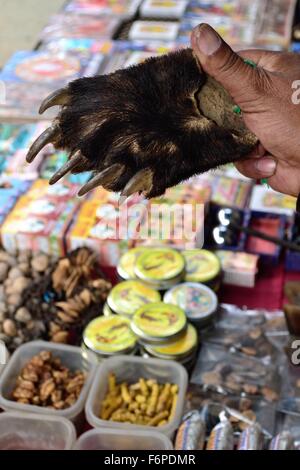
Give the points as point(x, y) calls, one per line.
point(14, 273)
point(46, 389)
point(250, 389)
point(269, 394)
point(20, 284)
point(40, 263)
point(23, 315)
point(60, 337)
point(9, 327)
point(14, 300)
point(249, 351)
point(3, 271)
point(24, 268)
point(65, 318)
point(256, 333)
point(211, 378)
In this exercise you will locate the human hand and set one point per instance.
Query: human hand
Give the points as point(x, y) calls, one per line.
point(264, 94)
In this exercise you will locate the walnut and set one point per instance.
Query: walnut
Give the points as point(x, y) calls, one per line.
point(46, 389)
point(44, 381)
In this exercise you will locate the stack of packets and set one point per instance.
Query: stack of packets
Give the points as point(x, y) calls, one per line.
point(105, 226)
point(163, 9)
point(10, 190)
point(15, 140)
point(126, 53)
point(266, 200)
point(262, 23)
point(177, 218)
point(239, 269)
point(76, 26)
point(29, 77)
point(125, 9)
point(226, 191)
point(39, 220)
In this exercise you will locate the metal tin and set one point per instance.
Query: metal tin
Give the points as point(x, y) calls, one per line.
point(127, 262)
point(109, 336)
point(160, 265)
point(107, 312)
point(159, 323)
point(128, 296)
point(183, 348)
point(197, 300)
point(201, 266)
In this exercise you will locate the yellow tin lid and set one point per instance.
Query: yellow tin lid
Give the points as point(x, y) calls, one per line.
point(127, 262)
point(201, 265)
point(109, 335)
point(159, 264)
point(158, 321)
point(180, 348)
point(128, 296)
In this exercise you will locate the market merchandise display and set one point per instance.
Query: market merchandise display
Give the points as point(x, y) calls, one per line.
point(145, 402)
point(135, 285)
point(44, 381)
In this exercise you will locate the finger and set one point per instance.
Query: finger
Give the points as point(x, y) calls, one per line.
point(257, 168)
point(219, 61)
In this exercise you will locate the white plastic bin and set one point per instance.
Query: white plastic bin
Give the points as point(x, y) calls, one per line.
point(4, 356)
point(131, 369)
point(115, 439)
point(70, 356)
point(26, 431)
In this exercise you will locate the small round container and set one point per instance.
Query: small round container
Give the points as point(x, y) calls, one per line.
point(180, 350)
point(127, 262)
point(197, 300)
point(202, 266)
point(108, 336)
point(128, 296)
point(159, 323)
point(160, 267)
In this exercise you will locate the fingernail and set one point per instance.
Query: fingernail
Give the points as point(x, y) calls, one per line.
point(206, 39)
point(266, 166)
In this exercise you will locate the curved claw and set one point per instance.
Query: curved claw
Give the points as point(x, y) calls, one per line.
point(45, 138)
point(142, 182)
point(58, 97)
point(106, 178)
point(70, 165)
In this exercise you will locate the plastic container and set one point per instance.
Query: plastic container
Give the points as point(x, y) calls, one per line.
point(109, 336)
point(115, 439)
point(70, 356)
point(26, 431)
point(4, 356)
point(131, 369)
point(159, 323)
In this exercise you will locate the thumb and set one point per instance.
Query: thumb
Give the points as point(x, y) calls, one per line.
point(218, 60)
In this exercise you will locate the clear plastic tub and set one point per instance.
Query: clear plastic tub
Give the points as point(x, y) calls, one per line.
point(131, 369)
point(26, 431)
point(4, 356)
point(70, 356)
point(115, 439)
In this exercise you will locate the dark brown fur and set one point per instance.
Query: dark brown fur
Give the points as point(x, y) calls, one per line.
point(148, 116)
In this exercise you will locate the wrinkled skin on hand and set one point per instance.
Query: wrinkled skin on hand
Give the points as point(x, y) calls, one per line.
point(145, 128)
